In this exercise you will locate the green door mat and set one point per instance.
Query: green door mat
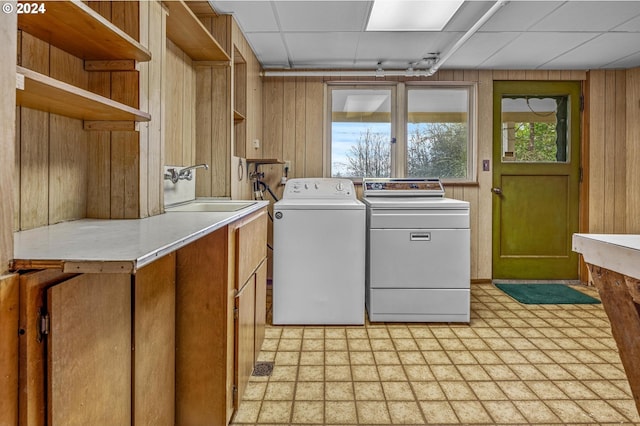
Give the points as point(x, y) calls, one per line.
point(546, 294)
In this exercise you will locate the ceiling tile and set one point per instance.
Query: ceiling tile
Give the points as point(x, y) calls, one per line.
point(531, 50)
point(269, 48)
point(519, 15)
point(479, 47)
point(307, 49)
point(624, 63)
point(313, 15)
point(598, 52)
point(588, 16)
point(468, 14)
point(394, 46)
point(632, 25)
point(251, 15)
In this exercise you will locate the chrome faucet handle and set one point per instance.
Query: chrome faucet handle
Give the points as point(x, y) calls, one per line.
point(172, 175)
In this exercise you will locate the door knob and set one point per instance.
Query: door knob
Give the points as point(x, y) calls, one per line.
point(496, 190)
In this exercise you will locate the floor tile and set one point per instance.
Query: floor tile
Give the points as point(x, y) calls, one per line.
point(514, 364)
point(308, 412)
point(309, 391)
point(373, 413)
point(340, 412)
point(368, 391)
point(407, 413)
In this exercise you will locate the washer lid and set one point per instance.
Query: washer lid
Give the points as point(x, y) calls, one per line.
point(415, 203)
point(318, 204)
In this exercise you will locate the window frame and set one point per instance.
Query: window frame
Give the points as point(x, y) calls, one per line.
point(399, 120)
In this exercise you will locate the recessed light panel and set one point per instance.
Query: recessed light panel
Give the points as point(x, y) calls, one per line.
point(411, 15)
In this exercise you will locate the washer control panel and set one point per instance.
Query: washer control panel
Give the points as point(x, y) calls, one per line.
point(319, 188)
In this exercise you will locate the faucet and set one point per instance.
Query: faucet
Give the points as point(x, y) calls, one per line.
point(183, 174)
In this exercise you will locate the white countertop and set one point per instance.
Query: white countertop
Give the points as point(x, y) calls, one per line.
point(616, 252)
point(121, 245)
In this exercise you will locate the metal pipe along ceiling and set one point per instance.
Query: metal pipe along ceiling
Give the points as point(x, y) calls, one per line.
point(372, 73)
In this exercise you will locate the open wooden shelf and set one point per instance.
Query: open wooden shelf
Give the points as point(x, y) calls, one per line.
point(76, 28)
point(48, 94)
point(189, 34)
point(264, 161)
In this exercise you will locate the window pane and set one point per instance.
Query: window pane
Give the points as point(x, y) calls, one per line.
point(360, 133)
point(534, 129)
point(438, 133)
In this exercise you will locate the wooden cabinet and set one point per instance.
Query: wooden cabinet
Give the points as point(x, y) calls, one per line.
point(98, 348)
point(219, 317)
point(250, 281)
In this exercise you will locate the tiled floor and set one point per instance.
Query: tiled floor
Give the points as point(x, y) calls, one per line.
point(514, 364)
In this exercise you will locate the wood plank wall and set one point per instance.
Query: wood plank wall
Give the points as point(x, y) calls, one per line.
point(632, 153)
point(199, 103)
point(9, 167)
point(180, 135)
point(294, 130)
point(152, 100)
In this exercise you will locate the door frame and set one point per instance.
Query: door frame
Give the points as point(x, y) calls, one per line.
point(548, 87)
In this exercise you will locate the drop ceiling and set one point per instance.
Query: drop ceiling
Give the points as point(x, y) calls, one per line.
point(324, 34)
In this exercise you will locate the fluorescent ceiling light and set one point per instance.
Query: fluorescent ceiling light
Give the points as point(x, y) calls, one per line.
point(411, 15)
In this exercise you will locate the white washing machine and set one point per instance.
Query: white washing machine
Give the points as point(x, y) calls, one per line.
point(318, 253)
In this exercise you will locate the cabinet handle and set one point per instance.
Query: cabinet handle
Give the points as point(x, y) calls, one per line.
point(421, 236)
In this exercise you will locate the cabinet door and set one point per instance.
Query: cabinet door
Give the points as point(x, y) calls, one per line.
point(261, 307)
point(251, 246)
point(9, 295)
point(89, 351)
point(154, 343)
point(245, 336)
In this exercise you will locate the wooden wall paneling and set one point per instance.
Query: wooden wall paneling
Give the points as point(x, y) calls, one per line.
point(89, 343)
point(12, 145)
point(484, 209)
point(500, 75)
point(597, 139)
point(610, 142)
point(275, 120)
point(221, 122)
point(633, 150)
point(204, 126)
point(152, 135)
point(9, 139)
point(67, 169)
point(300, 164)
point(619, 161)
point(189, 115)
point(154, 343)
point(34, 144)
point(125, 15)
point(175, 105)
point(314, 127)
point(517, 75)
point(536, 75)
point(9, 348)
point(67, 147)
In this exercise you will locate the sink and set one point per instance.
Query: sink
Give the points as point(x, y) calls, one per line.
point(211, 206)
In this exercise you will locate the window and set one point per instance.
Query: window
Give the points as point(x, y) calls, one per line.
point(534, 129)
point(361, 129)
point(430, 136)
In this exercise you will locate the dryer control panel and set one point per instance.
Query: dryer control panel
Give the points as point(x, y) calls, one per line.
point(316, 188)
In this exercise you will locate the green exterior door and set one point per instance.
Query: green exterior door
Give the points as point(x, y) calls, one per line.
point(536, 179)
